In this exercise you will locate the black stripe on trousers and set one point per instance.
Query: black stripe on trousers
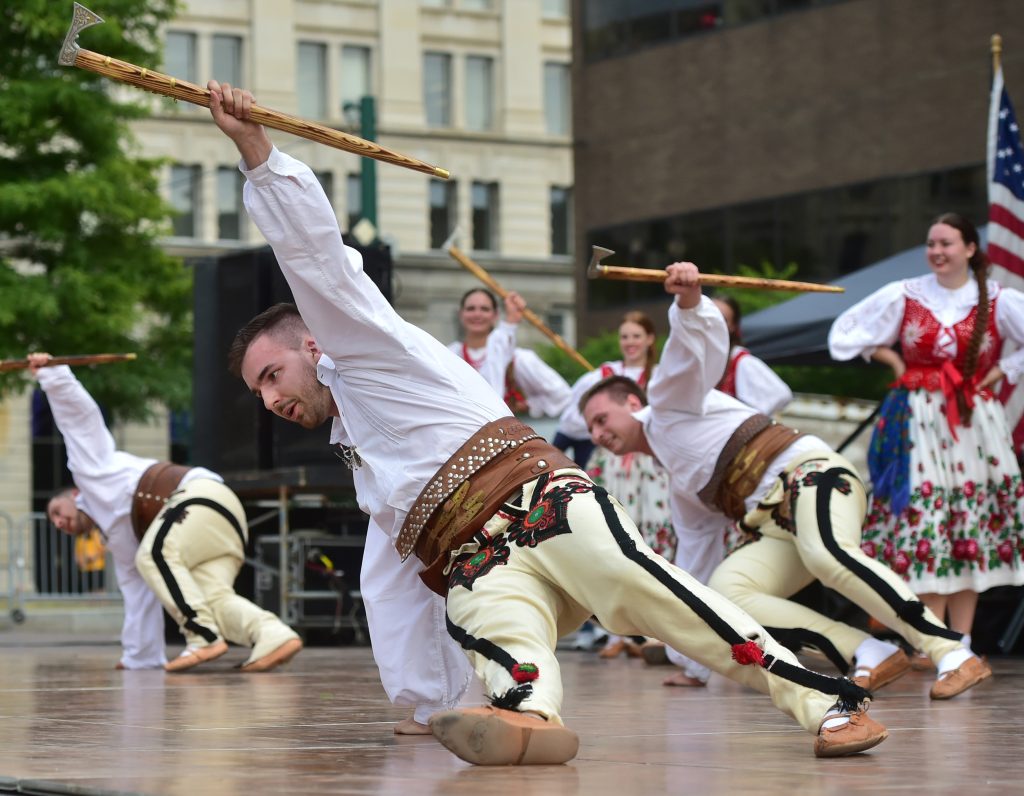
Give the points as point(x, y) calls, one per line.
point(797, 638)
point(848, 693)
point(910, 611)
point(171, 516)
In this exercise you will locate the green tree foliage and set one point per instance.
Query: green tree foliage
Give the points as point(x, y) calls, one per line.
point(81, 270)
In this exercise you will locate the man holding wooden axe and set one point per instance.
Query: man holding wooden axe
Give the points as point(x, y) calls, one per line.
point(177, 535)
point(802, 504)
point(521, 543)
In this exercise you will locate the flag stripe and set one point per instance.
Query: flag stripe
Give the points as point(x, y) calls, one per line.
point(1004, 217)
point(1008, 260)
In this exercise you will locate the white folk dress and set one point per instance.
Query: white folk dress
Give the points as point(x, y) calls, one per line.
point(947, 512)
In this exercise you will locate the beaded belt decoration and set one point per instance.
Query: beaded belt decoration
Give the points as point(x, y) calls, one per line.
point(485, 445)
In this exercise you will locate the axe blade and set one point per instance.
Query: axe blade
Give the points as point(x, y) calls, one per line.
point(81, 19)
point(597, 254)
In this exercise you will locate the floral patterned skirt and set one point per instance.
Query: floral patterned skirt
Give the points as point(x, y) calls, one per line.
point(964, 526)
point(641, 485)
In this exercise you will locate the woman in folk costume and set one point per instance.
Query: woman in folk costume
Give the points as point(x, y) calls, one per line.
point(527, 383)
point(636, 479)
point(947, 511)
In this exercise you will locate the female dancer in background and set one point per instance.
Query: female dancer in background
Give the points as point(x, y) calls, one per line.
point(947, 511)
point(528, 384)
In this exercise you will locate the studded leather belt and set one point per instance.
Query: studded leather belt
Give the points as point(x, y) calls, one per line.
point(470, 488)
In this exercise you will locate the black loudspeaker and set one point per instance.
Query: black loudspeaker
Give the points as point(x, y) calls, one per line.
point(233, 432)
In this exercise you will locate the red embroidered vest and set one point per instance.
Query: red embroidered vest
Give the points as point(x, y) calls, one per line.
point(927, 346)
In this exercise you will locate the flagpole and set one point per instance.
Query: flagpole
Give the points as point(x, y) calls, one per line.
point(997, 51)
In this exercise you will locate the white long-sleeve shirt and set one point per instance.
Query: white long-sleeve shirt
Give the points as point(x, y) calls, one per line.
point(875, 321)
point(406, 402)
point(688, 422)
point(546, 392)
point(106, 479)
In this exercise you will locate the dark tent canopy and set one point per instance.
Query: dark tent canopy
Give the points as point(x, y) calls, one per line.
point(796, 331)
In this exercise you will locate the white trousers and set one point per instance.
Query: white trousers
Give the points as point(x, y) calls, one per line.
point(419, 663)
point(190, 556)
point(564, 549)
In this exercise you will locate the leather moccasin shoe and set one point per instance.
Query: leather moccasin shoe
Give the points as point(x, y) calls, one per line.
point(892, 668)
point(490, 736)
point(968, 674)
point(654, 654)
point(278, 656)
point(859, 733)
point(193, 656)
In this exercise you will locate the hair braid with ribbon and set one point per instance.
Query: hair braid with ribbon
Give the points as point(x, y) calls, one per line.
point(979, 265)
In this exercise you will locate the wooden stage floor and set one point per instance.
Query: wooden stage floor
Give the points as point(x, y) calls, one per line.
point(323, 725)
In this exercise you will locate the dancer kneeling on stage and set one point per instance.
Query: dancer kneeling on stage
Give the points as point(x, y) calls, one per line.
point(178, 530)
point(803, 503)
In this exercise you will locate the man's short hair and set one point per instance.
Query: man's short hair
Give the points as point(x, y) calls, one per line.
point(618, 388)
point(66, 492)
point(282, 321)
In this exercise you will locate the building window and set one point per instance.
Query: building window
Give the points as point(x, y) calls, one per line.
point(355, 74)
point(485, 216)
point(557, 102)
point(180, 55)
point(436, 3)
point(442, 211)
point(477, 5)
point(561, 220)
point(185, 199)
point(479, 92)
point(312, 80)
point(227, 59)
point(437, 89)
point(555, 9)
point(354, 196)
point(229, 203)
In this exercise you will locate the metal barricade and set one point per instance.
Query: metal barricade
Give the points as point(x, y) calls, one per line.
point(45, 564)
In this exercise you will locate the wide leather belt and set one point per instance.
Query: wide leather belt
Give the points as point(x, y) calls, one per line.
point(155, 486)
point(470, 488)
point(743, 461)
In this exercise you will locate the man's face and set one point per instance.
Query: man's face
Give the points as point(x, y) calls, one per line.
point(612, 424)
point(66, 516)
point(284, 378)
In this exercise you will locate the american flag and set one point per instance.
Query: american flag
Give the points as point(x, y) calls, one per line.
point(1006, 219)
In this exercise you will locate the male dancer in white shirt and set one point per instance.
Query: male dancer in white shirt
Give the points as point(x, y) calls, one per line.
point(524, 546)
point(187, 558)
point(724, 457)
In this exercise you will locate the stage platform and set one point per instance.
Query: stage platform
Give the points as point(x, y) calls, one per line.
point(70, 723)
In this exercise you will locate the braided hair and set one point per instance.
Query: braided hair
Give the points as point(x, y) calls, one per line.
point(979, 265)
